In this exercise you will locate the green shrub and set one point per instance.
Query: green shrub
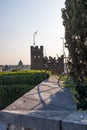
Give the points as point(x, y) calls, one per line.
point(80, 95)
point(15, 84)
point(31, 77)
point(9, 93)
point(70, 82)
point(79, 90)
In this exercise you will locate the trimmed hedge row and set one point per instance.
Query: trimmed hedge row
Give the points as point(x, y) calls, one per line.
point(15, 84)
point(23, 77)
point(9, 93)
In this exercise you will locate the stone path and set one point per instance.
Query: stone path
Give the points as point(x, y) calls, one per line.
point(45, 96)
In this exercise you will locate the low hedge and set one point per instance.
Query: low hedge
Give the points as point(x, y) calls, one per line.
point(23, 77)
point(15, 84)
point(9, 93)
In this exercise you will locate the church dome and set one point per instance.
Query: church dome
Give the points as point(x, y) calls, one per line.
point(20, 63)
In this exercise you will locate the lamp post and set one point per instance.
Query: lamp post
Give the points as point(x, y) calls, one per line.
point(34, 37)
point(64, 55)
point(63, 44)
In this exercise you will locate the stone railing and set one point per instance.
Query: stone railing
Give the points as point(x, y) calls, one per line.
point(43, 120)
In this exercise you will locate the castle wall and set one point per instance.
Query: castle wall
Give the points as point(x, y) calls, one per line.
point(38, 61)
point(36, 57)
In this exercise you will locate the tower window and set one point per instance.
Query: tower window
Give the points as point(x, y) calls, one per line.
point(39, 56)
point(34, 57)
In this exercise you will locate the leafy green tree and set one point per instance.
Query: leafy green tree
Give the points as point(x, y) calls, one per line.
point(75, 22)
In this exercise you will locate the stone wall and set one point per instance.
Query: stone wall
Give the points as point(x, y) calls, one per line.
point(43, 120)
point(39, 61)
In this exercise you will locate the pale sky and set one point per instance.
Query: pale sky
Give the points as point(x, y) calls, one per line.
point(19, 19)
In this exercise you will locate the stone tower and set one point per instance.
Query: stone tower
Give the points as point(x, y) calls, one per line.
point(36, 57)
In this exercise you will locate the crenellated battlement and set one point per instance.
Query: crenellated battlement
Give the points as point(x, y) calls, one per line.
point(39, 61)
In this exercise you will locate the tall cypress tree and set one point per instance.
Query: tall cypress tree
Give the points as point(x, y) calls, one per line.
point(75, 22)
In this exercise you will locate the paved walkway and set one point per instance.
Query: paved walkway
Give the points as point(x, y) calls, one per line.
point(45, 96)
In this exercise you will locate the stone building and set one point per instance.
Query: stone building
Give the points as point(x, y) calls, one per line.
point(39, 61)
point(19, 66)
point(36, 57)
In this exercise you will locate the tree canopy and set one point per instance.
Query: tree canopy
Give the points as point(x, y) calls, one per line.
point(75, 22)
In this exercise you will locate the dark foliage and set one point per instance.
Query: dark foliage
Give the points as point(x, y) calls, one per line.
point(15, 84)
point(75, 22)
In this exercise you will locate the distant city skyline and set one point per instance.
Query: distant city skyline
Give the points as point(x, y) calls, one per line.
point(20, 19)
